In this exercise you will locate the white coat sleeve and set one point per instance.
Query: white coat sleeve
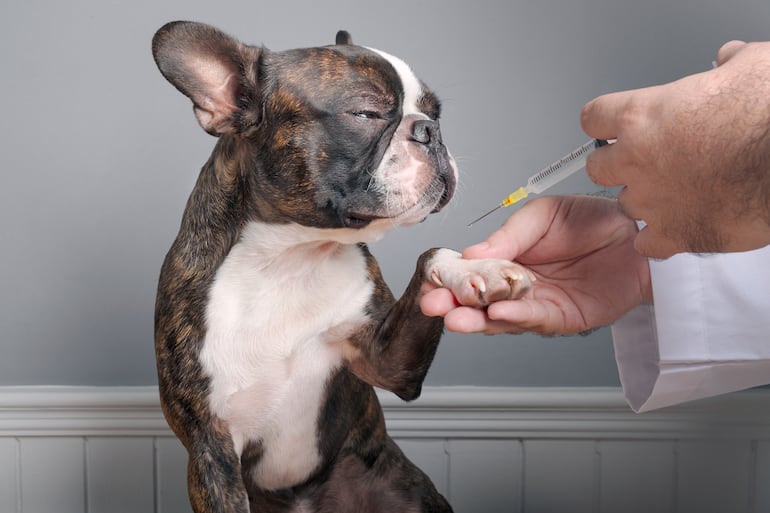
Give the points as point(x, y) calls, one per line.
point(708, 332)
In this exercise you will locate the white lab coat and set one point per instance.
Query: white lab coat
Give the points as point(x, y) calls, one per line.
point(707, 333)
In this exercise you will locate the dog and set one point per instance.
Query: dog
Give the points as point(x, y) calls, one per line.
point(273, 323)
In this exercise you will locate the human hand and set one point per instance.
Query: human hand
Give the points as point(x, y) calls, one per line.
point(579, 248)
point(693, 155)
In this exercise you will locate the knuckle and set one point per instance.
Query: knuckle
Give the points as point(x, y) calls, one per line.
point(586, 114)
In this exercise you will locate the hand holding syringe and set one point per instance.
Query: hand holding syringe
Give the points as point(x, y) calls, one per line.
point(550, 175)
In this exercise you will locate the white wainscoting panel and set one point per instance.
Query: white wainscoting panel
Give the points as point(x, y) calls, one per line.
point(171, 472)
point(762, 481)
point(57, 466)
point(560, 475)
point(706, 486)
point(119, 474)
point(488, 450)
point(9, 474)
point(637, 476)
point(485, 475)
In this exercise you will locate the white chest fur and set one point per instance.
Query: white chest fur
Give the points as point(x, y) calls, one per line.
point(279, 302)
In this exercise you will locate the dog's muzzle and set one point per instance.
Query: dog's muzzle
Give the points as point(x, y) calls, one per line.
point(428, 133)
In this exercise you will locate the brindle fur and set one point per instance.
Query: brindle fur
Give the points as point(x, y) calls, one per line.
point(362, 469)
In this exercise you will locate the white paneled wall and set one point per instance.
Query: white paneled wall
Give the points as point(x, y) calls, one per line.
point(488, 450)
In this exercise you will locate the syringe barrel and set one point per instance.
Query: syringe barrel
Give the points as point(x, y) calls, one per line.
point(562, 168)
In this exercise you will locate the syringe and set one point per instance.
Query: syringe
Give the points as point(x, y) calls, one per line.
point(550, 175)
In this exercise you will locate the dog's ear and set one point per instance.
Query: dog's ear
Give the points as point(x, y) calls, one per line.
point(217, 72)
point(343, 38)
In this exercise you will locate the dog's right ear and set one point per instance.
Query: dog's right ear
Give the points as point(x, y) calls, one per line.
point(216, 71)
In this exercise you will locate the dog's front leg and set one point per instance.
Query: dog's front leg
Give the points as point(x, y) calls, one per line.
point(396, 350)
point(214, 479)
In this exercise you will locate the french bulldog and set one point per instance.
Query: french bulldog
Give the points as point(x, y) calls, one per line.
point(273, 323)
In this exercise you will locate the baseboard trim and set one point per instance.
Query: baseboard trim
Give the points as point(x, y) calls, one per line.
point(441, 412)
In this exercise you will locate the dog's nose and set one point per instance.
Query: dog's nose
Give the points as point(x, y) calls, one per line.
point(426, 131)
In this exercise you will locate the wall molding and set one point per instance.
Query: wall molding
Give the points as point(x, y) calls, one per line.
point(441, 412)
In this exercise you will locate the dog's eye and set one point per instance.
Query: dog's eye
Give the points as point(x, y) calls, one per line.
point(366, 114)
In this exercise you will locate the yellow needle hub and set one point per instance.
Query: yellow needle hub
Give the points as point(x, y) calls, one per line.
point(514, 197)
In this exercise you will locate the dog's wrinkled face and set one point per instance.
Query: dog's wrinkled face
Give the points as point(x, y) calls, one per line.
point(366, 130)
point(343, 136)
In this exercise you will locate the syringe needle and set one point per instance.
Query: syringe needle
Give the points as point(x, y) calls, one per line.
point(551, 175)
point(498, 207)
point(516, 196)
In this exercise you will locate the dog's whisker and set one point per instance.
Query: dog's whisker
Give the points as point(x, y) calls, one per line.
point(371, 182)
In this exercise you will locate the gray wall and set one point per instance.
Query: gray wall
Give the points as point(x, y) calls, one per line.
point(98, 153)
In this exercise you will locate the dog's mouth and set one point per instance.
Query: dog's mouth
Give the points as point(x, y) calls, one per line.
point(446, 195)
point(407, 214)
point(359, 219)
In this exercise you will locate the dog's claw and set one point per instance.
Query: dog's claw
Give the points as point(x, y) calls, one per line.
point(436, 278)
point(478, 283)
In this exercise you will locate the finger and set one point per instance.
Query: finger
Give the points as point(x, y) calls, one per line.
point(466, 320)
point(728, 50)
point(604, 166)
point(471, 320)
point(438, 302)
point(520, 231)
point(650, 244)
point(601, 117)
point(635, 203)
point(541, 317)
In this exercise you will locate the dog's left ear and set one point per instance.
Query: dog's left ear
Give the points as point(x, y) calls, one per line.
point(216, 71)
point(343, 38)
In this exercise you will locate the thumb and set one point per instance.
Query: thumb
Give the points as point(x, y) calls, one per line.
point(728, 50)
point(522, 230)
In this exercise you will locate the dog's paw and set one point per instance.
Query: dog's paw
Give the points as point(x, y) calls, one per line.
point(478, 283)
